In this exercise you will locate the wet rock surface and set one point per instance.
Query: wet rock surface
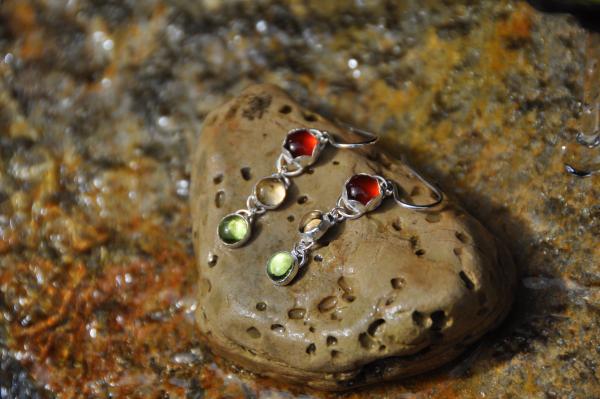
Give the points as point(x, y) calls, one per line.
point(397, 289)
point(100, 103)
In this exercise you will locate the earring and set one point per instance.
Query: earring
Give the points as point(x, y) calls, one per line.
point(300, 149)
point(362, 193)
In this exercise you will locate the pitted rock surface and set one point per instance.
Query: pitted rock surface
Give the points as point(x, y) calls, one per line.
point(394, 293)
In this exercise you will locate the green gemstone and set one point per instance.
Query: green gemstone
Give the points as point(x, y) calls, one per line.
point(233, 229)
point(280, 265)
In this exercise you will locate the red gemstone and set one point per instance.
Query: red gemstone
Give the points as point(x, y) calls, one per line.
point(301, 142)
point(363, 188)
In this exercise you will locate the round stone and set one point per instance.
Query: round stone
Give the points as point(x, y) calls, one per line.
point(311, 225)
point(270, 192)
point(280, 265)
point(363, 188)
point(301, 143)
point(233, 229)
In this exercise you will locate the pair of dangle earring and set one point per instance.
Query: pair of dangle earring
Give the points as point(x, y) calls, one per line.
point(300, 149)
point(362, 193)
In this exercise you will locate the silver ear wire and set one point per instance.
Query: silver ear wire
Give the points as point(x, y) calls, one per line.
point(439, 196)
point(371, 138)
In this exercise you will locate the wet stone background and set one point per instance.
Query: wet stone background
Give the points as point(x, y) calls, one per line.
point(101, 100)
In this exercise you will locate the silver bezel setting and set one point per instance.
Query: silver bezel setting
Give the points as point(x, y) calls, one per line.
point(274, 176)
point(289, 276)
point(244, 239)
point(319, 230)
point(358, 206)
point(304, 161)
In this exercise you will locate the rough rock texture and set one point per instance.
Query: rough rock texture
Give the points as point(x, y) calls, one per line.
point(404, 290)
point(100, 102)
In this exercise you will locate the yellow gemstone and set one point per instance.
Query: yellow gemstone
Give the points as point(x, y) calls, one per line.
point(270, 192)
point(312, 224)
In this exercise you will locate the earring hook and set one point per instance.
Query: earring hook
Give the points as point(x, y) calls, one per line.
point(439, 196)
point(371, 137)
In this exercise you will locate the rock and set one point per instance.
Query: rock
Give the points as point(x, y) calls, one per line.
point(388, 295)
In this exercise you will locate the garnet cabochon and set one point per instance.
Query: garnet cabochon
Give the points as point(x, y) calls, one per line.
point(362, 188)
point(301, 143)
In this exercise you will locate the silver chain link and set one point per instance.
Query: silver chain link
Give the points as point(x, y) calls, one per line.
point(283, 167)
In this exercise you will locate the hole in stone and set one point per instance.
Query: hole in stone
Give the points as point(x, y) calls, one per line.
point(211, 120)
point(311, 329)
point(334, 354)
point(373, 155)
point(366, 342)
point(335, 315)
point(389, 301)
point(461, 237)
point(290, 218)
point(418, 318)
point(246, 175)
point(218, 178)
point(348, 297)
point(436, 336)
point(468, 282)
point(212, 260)
point(420, 252)
point(343, 283)
point(331, 340)
point(206, 285)
point(253, 332)
point(296, 313)
point(415, 191)
point(261, 306)
point(438, 320)
point(327, 304)
point(374, 326)
point(482, 298)
point(311, 349)
point(336, 162)
point(433, 217)
point(286, 109)
point(219, 198)
point(309, 117)
point(302, 199)
point(397, 283)
point(396, 225)
point(414, 241)
point(457, 251)
point(277, 328)
point(381, 348)
point(318, 258)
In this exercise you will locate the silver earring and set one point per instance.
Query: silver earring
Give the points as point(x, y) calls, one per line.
point(299, 150)
point(362, 193)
